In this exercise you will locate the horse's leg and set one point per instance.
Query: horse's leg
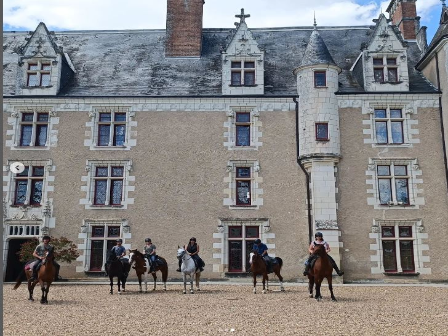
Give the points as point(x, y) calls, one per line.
point(255, 282)
point(265, 278)
point(280, 278)
point(111, 278)
point(31, 285)
point(318, 285)
point(42, 288)
point(154, 276)
point(330, 287)
point(119, 284)
point(198, 275)
point(47, 288)
point(310, 285)
point(164, 276)
point(139, 277)
point(185, 282)
point(191, 282)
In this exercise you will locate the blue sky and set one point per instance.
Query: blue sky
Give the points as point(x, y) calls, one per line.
point(150, 14)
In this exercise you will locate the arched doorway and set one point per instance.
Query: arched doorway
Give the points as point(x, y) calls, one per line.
point(13, 264)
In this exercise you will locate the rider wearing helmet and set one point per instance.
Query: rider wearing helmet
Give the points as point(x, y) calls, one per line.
point(193, 249)
point(120, 252)
point(262, 250)
point(150, 254)
point(319, 240)
point(39, 253)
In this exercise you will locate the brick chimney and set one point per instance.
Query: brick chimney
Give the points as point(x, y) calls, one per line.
point(184, 28)
point(403, 14)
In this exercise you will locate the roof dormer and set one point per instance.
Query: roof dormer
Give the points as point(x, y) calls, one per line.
point(243, 63)
point(44, 68)
point(384, 59)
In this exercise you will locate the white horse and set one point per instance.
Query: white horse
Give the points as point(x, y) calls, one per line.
point(188, 268)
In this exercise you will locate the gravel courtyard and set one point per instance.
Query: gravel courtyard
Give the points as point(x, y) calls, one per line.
point(221, 309)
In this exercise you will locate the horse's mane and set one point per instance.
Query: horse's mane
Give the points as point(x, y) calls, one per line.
point(319, 250)
point(137, 252)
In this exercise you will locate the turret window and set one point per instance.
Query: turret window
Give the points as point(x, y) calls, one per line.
point(38, 74)
point(322, 132)
point(243, 73)
point(320, 79)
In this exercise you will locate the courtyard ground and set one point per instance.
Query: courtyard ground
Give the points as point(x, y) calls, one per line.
point(227, 308)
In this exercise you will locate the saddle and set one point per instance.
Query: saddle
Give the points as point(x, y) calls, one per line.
point(29, 265)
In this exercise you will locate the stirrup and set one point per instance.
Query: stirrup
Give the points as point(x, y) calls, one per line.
point(178, 270)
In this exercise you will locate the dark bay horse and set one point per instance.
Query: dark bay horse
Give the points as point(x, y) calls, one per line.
point(117, 269)
point(322, 269)
point(45, 276)
point(142, 267)
point(258, 267)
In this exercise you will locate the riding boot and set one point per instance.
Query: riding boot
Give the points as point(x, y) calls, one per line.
point(307, 268)
point(34, 275)
point(180, 264)
point(105, 269)
point(338, 271)
point(56, 276)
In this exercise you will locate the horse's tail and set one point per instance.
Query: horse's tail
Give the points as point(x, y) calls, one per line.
point(280, 261)
point(19, 279)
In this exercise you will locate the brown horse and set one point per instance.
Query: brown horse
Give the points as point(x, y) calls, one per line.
point(322, 269)
point(45, 276)
point(258, 267)
point(142, 268)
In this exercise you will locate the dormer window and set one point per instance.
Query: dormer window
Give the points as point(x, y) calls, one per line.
point(38, 74)
point(243, 73)
point(385, 69)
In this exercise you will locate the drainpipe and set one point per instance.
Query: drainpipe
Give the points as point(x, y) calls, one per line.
point(441, 120)
point(307, 175)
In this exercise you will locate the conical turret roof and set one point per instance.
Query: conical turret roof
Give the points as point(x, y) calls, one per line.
point(316, 51)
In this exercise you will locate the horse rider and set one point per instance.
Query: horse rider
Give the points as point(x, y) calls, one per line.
point(150, 254)
point(193, 249)
point(319, 240)
point(40, 253)
point(120, 252)
point(262, 250)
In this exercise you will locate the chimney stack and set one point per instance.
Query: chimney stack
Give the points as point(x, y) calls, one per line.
point(403, 14)
point(184, 28)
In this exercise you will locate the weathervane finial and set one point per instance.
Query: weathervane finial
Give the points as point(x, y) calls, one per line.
point(315, 24)
point(242, 16)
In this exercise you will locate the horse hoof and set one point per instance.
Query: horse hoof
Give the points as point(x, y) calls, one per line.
point(264, 292)
point(198, 289)
point(334, 300)
point(311, 295)
point(164, 289)
point(119, 292)
point(184, 292)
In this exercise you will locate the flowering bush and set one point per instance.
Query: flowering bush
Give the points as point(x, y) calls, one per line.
point(64, 250)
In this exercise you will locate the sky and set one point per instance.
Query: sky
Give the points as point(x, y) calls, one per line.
point(151, 14)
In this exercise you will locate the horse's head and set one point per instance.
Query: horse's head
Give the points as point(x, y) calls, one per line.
point(49, 255)
point(111, 255)
point(319, 250)
point(180, 252)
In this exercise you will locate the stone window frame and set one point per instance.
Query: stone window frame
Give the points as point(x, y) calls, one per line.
point(88, 188)
point(230, 128)
point(85, 235)
point(221, 240)
point(256, 179)
point(419, 246)
point(409, 133)
point(414, 183)
point(40, 62)
point(319, 71)
point(317, 124)
point(15, 120)
point(92, 128)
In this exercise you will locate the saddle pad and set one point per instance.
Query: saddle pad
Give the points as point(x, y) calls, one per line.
point(30, 265)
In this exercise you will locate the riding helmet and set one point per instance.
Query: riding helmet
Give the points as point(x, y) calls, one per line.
point(46, 238)
point(318, 234)
point(119, 240)
point(193, 239)
point(257, 241)
point(148, 240)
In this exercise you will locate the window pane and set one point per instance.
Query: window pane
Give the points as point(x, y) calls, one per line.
point(27, 116)
point(105, 117)
point(96, 255)
point(235, 256)
point(46, 67)
point(236, 65)
point(33, 80)
point(405, 231)
point(384, 191)
point(120, 135)
point(42, 117)
point(38, 171)
point(322, 131)
point(235, 232)
point(98, 231)
point(41, 135)
point(243, 172)
point(243, 192)
point(21, 188)
point(392, 75)
point(36, 192)
point(249, 65)
point(104, 135)
point(397, 132)
point(242, 135)
point(33, 67)
point(25, 172)
point(381, 132)
point(380, 114)
point(117, 171)
point(378, 74)
point(407, 255)
point(383, 170)
point(100, 192)
point(120, 116)
point(252, 232)
point(249, 78)
point(25, 135)
point(401, 186)
point(377, 61)
point(320, 79)
point(45, 79)
point(395, 113)
point(243, 117)
point(236, 78)
point(391, 61)
point(400, 170)
point(113, 231)
point(389, 256)
point(249, 248)
point(101, 172)
point(387, 231)
point(116, 192)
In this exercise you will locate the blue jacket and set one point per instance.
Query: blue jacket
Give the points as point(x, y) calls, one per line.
point(260, 248)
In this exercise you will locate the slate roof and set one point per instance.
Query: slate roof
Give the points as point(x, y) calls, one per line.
point(443, 28)
point(316, 51)
point(133, 63)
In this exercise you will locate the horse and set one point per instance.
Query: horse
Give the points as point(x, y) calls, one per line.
point(188, 267)
point(142, 267)
point(258, 267)
point(117, 269)
point(321, 269)
point(45, 276)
